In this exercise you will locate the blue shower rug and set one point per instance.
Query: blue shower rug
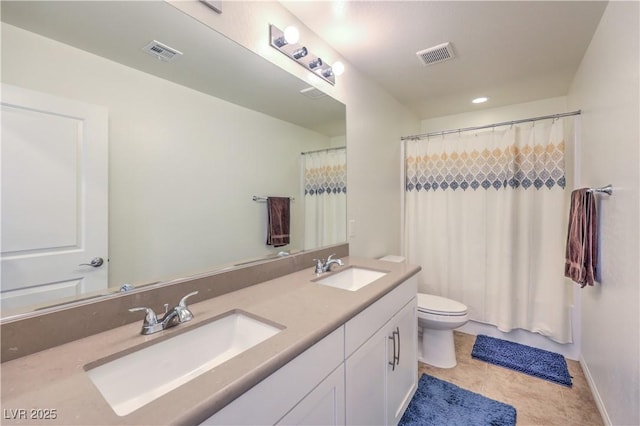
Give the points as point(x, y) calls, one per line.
point(440, 403)
point(535, 362)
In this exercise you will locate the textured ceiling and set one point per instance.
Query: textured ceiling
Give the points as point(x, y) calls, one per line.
point(510, 51)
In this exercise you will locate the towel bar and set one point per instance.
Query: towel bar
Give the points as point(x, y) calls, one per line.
point(605, 189)
point(264, 199)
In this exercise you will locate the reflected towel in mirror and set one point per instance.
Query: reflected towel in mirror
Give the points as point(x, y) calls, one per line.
point(278, 209)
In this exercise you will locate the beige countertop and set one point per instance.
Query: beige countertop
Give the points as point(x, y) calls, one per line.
point(53, 383)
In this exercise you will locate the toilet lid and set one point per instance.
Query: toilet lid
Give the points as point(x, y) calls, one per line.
point(440, 305)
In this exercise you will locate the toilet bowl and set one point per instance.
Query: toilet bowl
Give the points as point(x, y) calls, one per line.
point(438, 317)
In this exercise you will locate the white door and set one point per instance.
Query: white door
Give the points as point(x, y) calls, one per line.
point(54, 197)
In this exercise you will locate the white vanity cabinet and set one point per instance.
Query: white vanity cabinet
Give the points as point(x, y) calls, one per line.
point(381, 358)
point(365, 372)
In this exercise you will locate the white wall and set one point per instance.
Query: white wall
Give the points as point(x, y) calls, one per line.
point(375, 120)
point(183, 165)
point(488, 115)
point(606, 88)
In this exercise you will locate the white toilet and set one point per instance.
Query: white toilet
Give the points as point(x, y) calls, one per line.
point(437, 318)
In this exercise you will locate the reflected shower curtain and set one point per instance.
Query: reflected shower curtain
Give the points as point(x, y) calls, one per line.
point(486, 220)
point(325, 197)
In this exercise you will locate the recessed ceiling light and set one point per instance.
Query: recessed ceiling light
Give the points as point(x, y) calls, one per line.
point(480, 100)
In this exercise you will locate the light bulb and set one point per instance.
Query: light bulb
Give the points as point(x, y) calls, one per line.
point(338, 68)
point(327, 73)
point(291, 35)
point(480, 100)
point(300, 53)
point(315, 63)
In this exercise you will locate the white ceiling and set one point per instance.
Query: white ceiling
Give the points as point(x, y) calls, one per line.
point(510, 51)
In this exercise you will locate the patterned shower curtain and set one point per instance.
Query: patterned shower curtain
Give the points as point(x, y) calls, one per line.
point(325, 197)
point(485, 217)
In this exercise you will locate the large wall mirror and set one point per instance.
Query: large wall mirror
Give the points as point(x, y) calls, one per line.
point(189, 143)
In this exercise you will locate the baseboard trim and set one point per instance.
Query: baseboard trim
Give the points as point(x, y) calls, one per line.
point(594, 391)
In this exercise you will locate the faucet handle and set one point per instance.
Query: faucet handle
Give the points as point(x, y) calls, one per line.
point(319, 265)
point(184, 314)
point(183, 301)
point(330, 257)
point(150, 318)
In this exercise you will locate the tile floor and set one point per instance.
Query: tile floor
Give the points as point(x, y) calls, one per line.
point(537, 401)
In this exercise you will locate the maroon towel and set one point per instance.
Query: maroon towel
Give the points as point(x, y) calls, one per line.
point(582, 238)
point(278, 226)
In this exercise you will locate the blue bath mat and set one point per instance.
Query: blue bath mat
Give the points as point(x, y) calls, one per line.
point(535, 362)
point(440, 403)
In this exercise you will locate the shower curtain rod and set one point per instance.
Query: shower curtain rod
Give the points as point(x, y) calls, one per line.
point(488, 126)
point(322, 150)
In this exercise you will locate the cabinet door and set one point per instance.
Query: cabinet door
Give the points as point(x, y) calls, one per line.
point(402, 378)
point(278, 394)
point(365, 381)
point(323, 406)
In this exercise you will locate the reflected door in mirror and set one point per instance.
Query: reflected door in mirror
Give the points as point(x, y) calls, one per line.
point(54, 197)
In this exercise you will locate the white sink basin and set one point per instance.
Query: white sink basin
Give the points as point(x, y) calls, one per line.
point(136, 379)
point(352, 278)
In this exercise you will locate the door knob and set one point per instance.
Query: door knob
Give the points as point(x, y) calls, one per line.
point(95, 262)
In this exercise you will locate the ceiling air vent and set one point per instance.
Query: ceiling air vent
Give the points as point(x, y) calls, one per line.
point(313, 93)
point(434, 55)
point(162, 51)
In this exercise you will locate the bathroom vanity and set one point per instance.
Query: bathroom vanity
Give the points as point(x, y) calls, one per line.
point(336, 356)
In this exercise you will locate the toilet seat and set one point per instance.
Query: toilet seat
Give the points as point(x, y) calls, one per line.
point(436, 305)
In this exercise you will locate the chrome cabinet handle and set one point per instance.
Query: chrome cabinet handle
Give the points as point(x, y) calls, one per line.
point(398, 331)
point(392, 363)
point(95, 262)
point(396, 349)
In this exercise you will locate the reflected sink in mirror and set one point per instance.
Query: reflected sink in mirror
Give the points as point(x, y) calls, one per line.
point(138, 378)
point(352, 278)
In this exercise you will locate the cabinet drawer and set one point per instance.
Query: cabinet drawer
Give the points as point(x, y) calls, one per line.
point(369, 321)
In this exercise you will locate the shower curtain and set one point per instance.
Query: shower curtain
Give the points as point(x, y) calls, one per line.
point(325, 197)
point(485, 217)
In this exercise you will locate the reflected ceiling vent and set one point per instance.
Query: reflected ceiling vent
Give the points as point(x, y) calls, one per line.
point(162, 51)
point(313, 93)
point(435, 55)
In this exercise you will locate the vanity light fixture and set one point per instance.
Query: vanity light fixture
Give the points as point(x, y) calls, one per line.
point(287, 43)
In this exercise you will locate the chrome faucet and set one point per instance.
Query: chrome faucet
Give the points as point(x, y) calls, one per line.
point(325, 266)
point(177, 315)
